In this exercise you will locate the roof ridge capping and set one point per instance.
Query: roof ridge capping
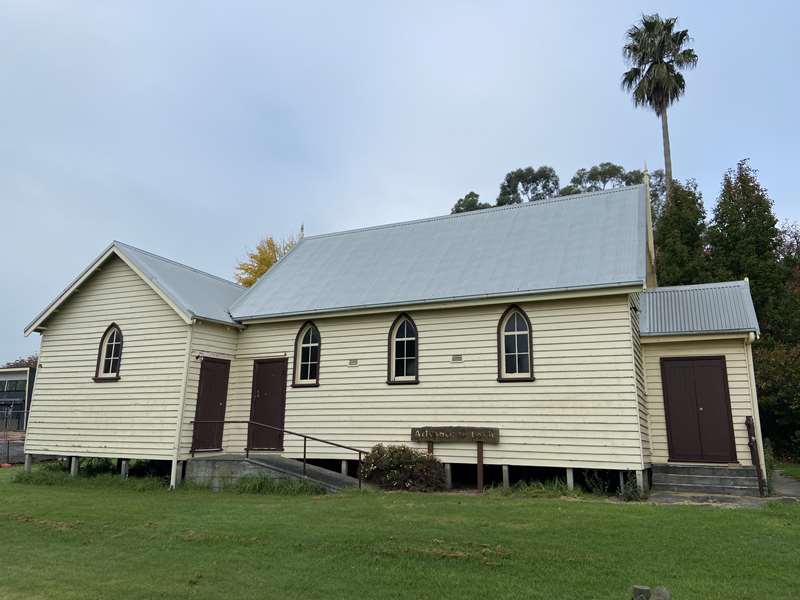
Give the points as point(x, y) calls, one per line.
point(483, 211)
point(123, 245)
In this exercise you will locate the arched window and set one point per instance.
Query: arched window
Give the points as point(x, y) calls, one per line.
point(514, 346)
point(306, 356)
point(109, 355)
point(403, 359)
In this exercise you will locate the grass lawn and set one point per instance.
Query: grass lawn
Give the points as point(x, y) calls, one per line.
point(790, 469)
point(84, 541)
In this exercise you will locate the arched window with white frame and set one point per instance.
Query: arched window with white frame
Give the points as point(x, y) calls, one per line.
point(403, 351)
point(109, 355)
point(514, 346)
point(307, 356)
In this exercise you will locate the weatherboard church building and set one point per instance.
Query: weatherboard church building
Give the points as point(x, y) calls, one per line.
point(537, 327)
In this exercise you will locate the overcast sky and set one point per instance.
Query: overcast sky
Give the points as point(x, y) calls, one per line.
point(193, 129)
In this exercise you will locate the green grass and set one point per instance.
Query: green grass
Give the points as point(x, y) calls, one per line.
point(102, 539)
point(790, 469)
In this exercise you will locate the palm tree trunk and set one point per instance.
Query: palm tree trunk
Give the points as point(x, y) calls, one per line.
point(667, 153)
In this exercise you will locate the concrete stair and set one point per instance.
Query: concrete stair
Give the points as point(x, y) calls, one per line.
point(224, 470)
point(703, 480)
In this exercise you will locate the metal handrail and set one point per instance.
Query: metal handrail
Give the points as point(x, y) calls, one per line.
point(305, 437)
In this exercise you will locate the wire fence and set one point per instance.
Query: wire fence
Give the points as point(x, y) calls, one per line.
point(12, 435)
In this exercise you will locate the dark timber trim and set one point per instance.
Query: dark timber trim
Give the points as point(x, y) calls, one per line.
point(390, 352)
point(98, 376)
point(500, 347)
point(297, 355)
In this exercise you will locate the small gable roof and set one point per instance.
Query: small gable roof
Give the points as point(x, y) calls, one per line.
point(193, 294)
point(575, 242)
point(696, 309)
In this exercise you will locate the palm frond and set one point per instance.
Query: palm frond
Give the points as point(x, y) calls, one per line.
point(656, 53)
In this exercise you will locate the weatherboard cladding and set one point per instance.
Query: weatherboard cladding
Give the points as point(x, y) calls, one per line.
point(705, 308)
point(194, 293)
point(199, 294)
point(584, 241)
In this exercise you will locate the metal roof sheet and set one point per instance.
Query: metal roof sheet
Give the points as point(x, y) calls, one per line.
point(198, 293)
point(706, 308)
point(582, 241)
point(193, 292)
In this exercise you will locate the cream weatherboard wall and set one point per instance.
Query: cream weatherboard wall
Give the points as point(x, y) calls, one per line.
point(208, 339)
point(736, 351)
point(134, 417)
point(581, 411)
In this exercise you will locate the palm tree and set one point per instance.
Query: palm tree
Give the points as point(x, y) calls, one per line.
point(657, 54)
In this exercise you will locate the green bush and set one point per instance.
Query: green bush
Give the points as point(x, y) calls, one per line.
point(769, 463)
point(91, 467)
point(777, 367)
point(45, 476)
point(597, 482)
point(403, 468)
point(54, 474)
point(260, 484)
point(630, 491)
point(555, 488)
point(55, 466)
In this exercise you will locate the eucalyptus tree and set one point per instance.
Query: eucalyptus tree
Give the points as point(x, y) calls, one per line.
point(657, 53)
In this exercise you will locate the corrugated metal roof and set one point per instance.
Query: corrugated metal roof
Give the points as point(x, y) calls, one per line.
point(199, 294)
point(705, 308)
point(194, 293)
point(582, 241)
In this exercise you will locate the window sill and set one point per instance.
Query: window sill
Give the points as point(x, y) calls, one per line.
point(305, 385)
point(515, 379)
point(401, 382)
point(105, 379)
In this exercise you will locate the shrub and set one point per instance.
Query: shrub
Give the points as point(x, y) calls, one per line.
point(630, 491)
point(47, 476)
point(149, 468)
point(91, 467)
point(554, 488)
point(56, 466)
point(769, 462)
point(596, 482)
point(261, 484)
point(403, 468)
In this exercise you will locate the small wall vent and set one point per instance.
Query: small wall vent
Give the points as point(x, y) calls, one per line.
point(353, 362)
point(457, 358)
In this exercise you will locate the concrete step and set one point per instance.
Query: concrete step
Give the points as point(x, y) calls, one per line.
point(705, 470)
point(728, 490)
point(717, 480)
point(710, 499)
point(732, 480)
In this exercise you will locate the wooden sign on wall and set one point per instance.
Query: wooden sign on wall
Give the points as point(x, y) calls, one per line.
point(487, 435)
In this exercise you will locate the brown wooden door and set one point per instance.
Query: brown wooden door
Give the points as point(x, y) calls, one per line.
point(212, 395)
point(698, 409)
point(268, 403)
